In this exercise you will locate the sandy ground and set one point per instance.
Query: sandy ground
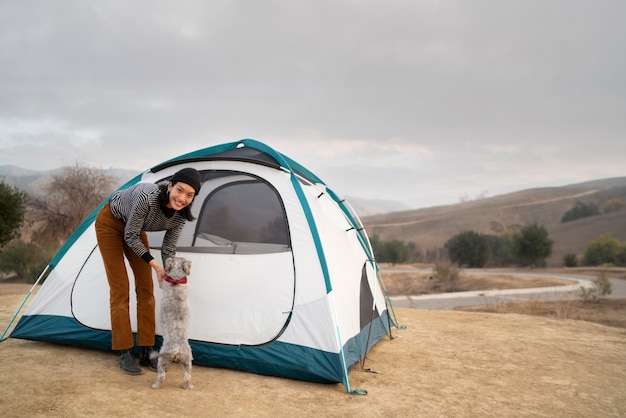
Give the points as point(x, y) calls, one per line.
point(444, 363)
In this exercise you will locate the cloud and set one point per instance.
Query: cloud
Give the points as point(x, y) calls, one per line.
point(456, 97)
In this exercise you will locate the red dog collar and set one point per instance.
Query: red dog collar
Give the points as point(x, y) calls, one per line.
point(174, 282)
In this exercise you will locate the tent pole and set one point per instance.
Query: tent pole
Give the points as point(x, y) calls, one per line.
point(388, 304)
point(23, 302)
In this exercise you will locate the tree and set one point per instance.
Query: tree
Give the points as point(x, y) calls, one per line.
point(469, 249)
point(394, 251)
point(532, 245)
point(69, 197)
point(12, 210)
point(603, 250)
point(580, 210)
point(501, 252)
point(614, 205)
point(24, 259)
point(570, 260)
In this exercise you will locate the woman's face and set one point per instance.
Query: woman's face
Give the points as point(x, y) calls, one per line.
point(181, 195)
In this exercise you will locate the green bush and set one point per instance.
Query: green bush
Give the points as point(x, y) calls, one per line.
point(532, 245)
point(580, 210)
point(24, 260)
point(601, 287)
point(12, 212)
point(604, 250)
point(468, 249)
point(570, 260)
point(394, 251)
point(501, 253)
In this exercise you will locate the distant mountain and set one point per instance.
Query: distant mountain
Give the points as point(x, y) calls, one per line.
point(369, 207)
point(431, 227)
point(32, 181)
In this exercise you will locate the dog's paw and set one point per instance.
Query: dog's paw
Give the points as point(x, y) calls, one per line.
point(187, 385)
point(156, 385)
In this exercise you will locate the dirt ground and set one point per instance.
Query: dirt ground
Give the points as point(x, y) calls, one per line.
point(442, 364)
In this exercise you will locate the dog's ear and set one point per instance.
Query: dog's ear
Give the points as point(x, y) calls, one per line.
point(187, 266)
point(168, 263)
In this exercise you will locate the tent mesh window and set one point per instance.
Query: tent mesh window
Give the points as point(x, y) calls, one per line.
point(242, 212)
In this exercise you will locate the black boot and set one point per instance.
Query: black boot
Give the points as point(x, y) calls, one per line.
point(127, 363)
point(145, 360)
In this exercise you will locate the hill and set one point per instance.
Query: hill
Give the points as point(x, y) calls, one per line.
point(431, 227)
point(32, 181)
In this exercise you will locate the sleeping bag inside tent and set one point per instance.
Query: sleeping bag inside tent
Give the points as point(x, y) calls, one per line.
point(283, 279)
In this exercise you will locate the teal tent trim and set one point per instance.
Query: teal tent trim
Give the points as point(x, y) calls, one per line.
point(272, 359)
point(283, 161)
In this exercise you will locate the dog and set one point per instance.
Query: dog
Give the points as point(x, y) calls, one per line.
point(175, 322)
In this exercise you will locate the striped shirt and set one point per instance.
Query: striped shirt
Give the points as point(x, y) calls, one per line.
point(138, 206)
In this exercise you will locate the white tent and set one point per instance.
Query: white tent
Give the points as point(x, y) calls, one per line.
point(283, 279)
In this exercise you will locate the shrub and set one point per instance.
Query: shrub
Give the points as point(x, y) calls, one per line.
point(12, 211)
point(24, 260)
point(469, 249)
point(446, 276)
point(613, 205)
point(580, 210)
point(394, 251)
point(601, 287)
point(532, 245)
point(501, 252)
point(570, 260)
point(604, 250)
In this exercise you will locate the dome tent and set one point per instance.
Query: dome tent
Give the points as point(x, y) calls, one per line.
point(283, 279)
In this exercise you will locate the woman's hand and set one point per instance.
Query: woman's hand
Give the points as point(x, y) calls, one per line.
point(159, 270)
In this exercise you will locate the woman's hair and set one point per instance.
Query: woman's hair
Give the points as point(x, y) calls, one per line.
point(164, 198)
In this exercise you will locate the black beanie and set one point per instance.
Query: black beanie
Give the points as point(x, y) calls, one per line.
point(188, 176)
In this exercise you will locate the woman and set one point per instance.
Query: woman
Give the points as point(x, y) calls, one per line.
point(120, 230)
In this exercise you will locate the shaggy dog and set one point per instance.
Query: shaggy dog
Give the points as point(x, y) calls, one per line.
point(175, 321)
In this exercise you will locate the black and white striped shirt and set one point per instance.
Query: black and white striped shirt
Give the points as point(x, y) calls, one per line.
point(138, 206)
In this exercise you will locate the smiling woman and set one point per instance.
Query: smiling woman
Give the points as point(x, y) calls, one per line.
point(121, 229)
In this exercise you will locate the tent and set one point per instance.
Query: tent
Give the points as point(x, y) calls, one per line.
point(283, 277)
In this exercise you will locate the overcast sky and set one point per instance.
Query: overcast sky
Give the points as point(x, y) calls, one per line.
point(420, 101)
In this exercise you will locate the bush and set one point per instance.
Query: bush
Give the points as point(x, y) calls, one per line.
point(394, 251)
point(446, 276)
point(469, 249)
point(601, 287)
point(570, 260)
point(614, 205)
point(24, 260)
point(580, 210)
point(604, 250)
point(501, 252)
point(532, 245)
point(12, 211)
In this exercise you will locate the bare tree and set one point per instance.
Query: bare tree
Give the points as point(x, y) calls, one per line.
point(68, 198)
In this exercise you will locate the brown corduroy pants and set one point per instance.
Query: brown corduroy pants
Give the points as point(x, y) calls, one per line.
point(110, 235)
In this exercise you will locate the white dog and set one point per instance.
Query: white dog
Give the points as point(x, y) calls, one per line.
point(175, 321)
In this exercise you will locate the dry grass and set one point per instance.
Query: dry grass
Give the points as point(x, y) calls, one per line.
point(611, 312)
point(440, 364)
point(418, 283)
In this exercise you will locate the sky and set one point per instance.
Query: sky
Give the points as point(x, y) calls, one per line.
point(424, 102)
